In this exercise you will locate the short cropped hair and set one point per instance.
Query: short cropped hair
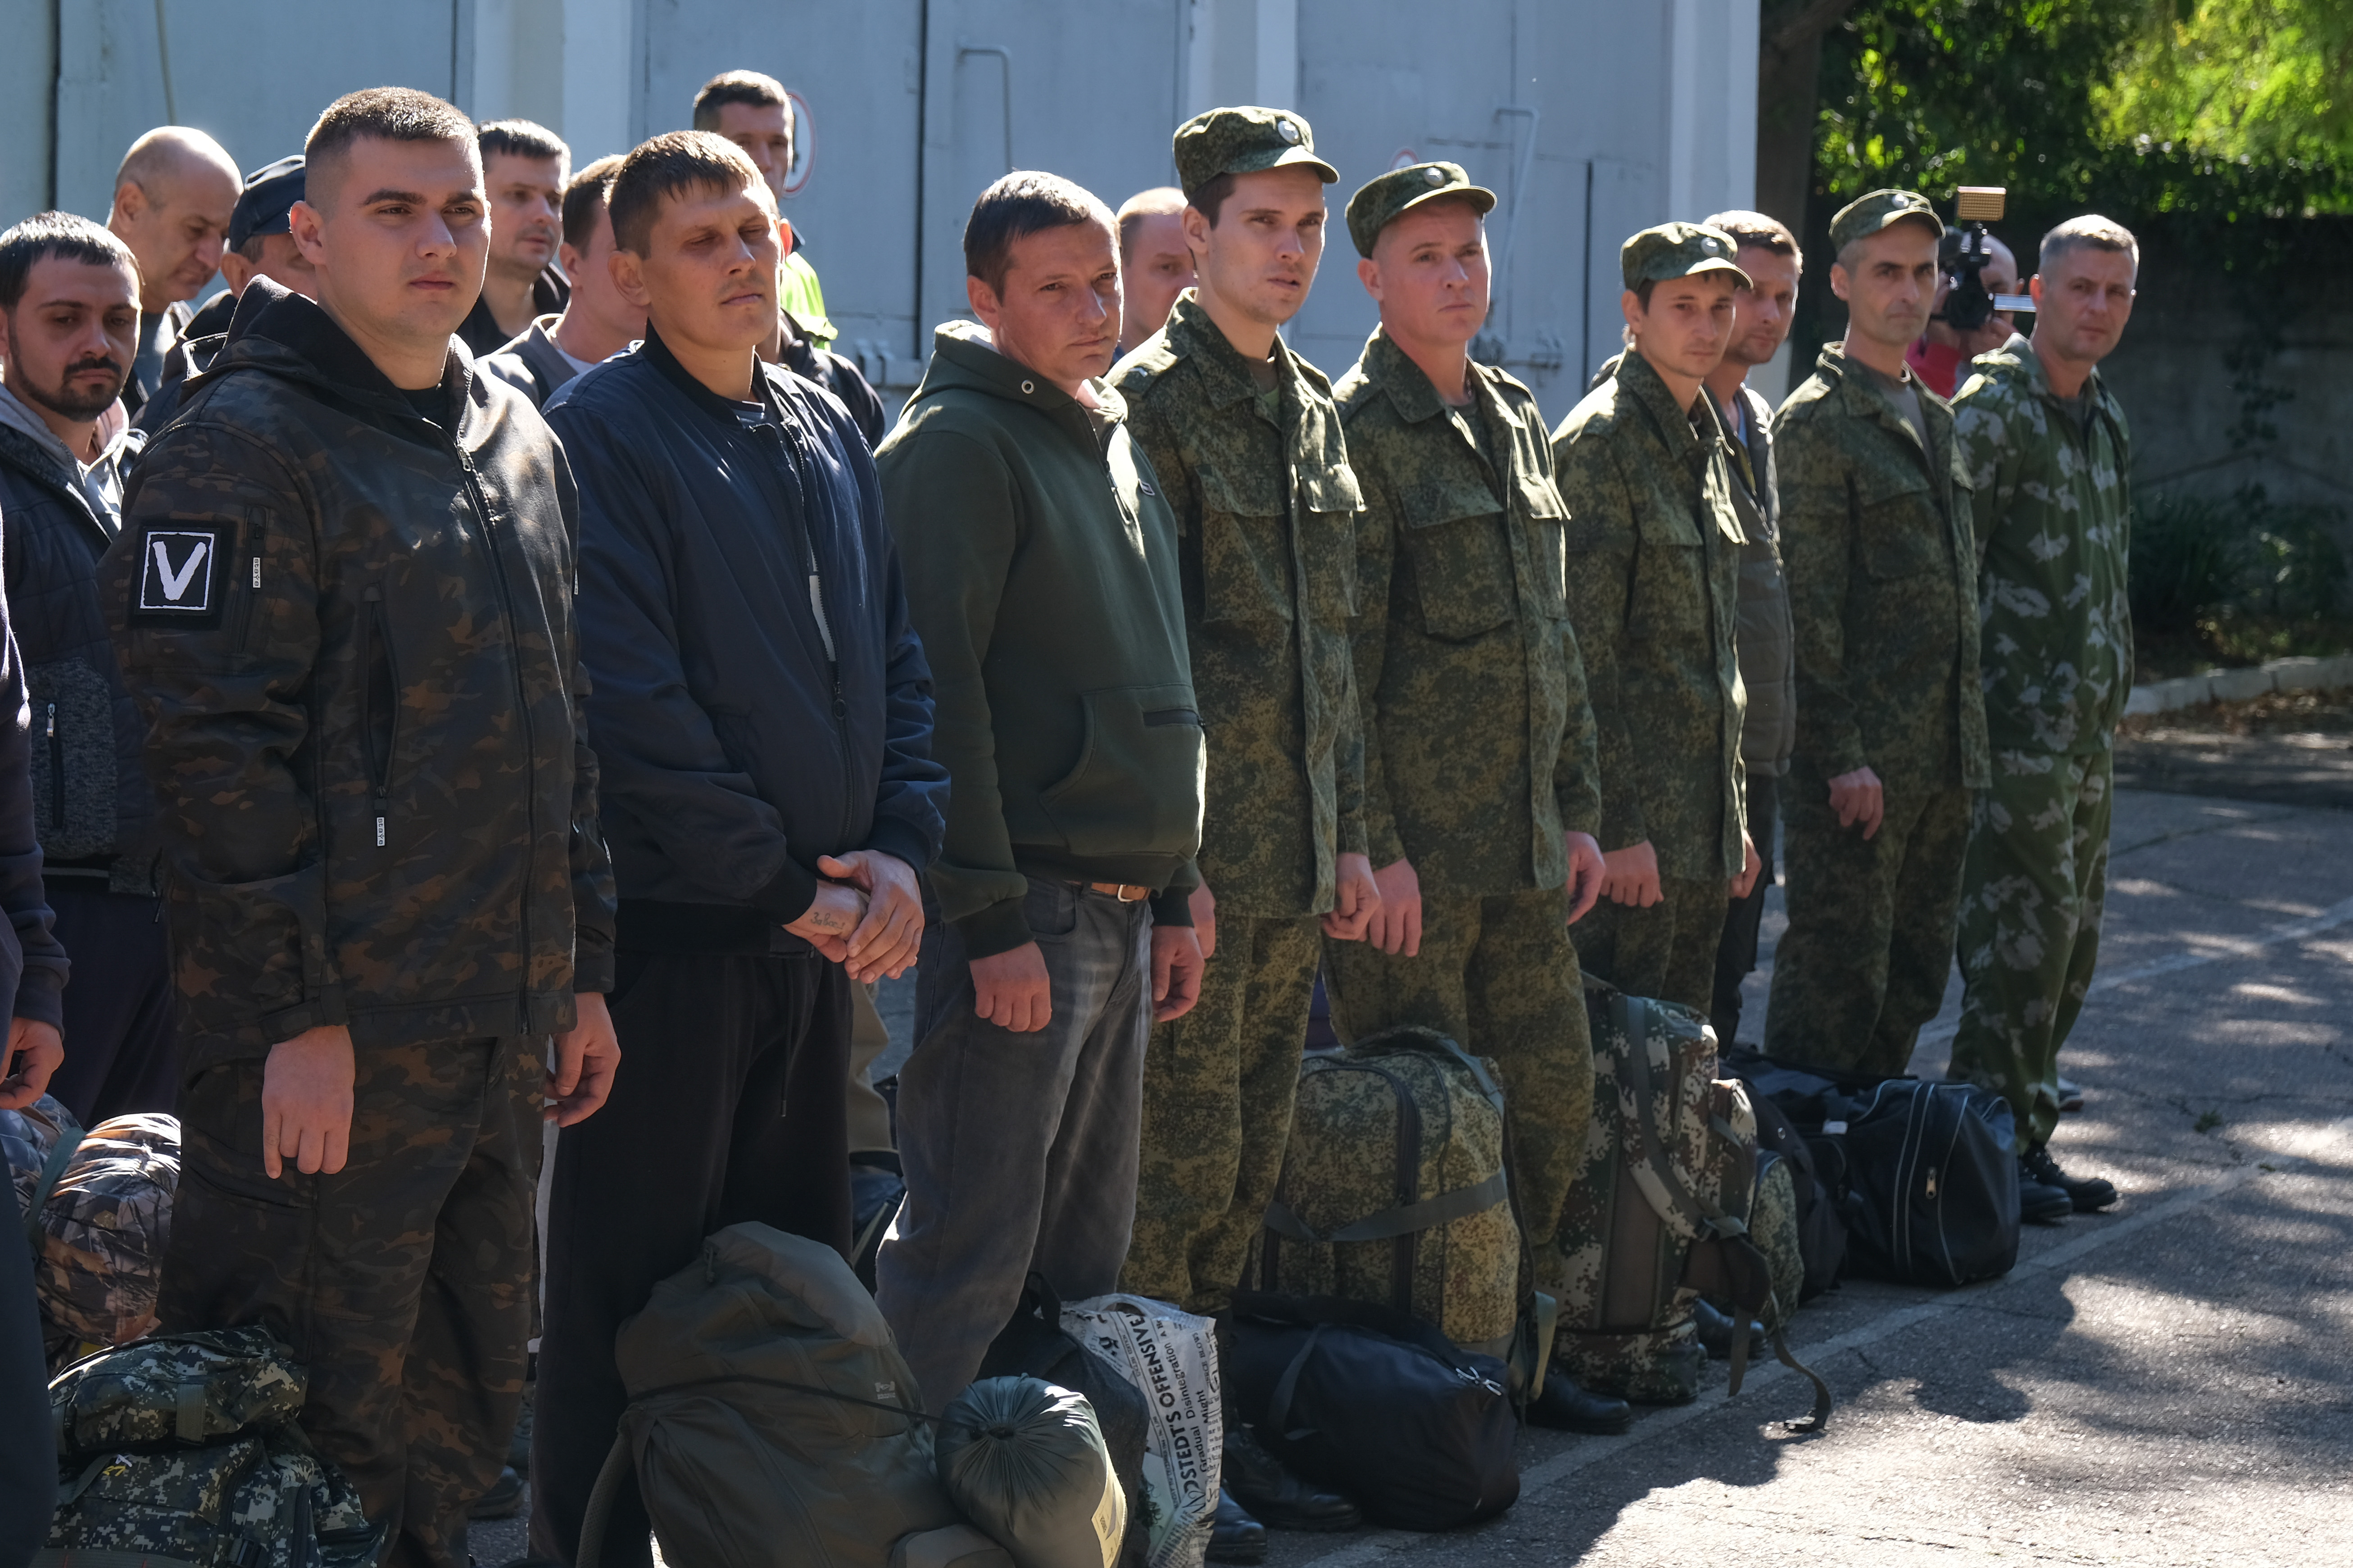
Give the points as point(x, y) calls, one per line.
point(1023, 202)
point(521, 139)
point(58, 235)
point(586, 196)
point(668, 165)
point(739, 86)
point(384, 114)
point(2089, 232)
point(1209, 198)
point(1759, 231)
point(1161, 201)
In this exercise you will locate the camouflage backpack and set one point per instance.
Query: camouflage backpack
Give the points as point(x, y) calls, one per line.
point(1395, 1191)
point(1661, 1215)
point(182, 1451)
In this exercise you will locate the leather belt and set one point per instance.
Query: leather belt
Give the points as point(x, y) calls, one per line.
point(1126, 892)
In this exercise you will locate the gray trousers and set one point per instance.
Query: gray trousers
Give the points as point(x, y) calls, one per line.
point(1019, 1150)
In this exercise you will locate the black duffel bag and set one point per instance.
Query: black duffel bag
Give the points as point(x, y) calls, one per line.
point(1376, 1403)
point(1932, 1184)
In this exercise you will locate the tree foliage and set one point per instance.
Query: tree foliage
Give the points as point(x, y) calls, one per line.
point(2267, 80)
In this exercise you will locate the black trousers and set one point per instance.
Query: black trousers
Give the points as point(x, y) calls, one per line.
point(728, 1107)
point(29, 1452)
point(122, 1009)
point(1735, 959)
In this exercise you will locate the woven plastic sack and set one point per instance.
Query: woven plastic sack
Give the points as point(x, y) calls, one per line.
point(1171, 1357)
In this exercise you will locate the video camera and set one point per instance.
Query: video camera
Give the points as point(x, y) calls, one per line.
point(1968, 304)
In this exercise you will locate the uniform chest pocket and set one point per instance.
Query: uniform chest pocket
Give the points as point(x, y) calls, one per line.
point(1459, 554)
point(1244, 548)
point(1668, 599)
point(1327, 541)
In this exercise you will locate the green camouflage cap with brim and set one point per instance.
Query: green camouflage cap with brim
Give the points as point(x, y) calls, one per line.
point(1679, 250)
point(1244, 142)
point(1866, 216)
point(1383, 201)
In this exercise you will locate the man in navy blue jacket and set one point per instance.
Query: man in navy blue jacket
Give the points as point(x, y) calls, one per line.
point(763, 716)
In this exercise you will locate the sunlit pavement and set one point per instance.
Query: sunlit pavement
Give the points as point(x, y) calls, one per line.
point(2170, 1382)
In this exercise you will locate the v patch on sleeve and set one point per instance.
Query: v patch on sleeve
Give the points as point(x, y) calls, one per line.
point(179, 576)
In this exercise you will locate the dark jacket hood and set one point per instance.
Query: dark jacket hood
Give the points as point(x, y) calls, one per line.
point(292, 337)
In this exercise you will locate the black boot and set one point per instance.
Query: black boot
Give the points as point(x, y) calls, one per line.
point(1278, 1499)
point(1715, 1330)
point(2038, 1202)
point(1235, 1536)
point(1564, 1407)
point(2085, 1194)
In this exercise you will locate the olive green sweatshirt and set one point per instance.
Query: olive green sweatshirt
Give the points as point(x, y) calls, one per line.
point(1040, 564)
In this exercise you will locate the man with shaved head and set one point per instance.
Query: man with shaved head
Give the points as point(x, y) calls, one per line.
point(173, 198)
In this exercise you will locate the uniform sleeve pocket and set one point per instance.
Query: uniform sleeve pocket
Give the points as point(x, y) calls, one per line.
point(1136, 787)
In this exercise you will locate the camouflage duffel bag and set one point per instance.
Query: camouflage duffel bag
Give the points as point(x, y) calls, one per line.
point(183, 1449)
point(1661, 1216)
point(1395, 1189)
point(99, 1213)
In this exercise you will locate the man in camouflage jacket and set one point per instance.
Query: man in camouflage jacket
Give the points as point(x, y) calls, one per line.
point(343, 591)
point(1653, 591)
point(2046, 445)
point(1248, 446)
point(1891, 727)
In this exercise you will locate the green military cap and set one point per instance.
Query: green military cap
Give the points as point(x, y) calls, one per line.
point(1244, 142)
point(1678, 250)
point(1395, 193)
point(1869, 214)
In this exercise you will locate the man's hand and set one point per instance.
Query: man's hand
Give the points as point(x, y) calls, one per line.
point(1355, 898)
point(35, 1050)
point(1395, 926)
point(1204, 905)
point(1751, 863)
point(1011, 991)
point(1587, 870)
point(1630, 876)
point(1176, 972)
point(1857, 797)
point(587, 1055)
point(887, 941)
point(306, 1102)
point(832, 916)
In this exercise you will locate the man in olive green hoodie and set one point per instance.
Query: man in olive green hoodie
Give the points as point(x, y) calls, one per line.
point(1040, 562)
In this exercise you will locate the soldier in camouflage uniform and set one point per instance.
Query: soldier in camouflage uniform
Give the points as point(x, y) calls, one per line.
point(1891, 726)
point(2047, 447)
point(342, 595)
point(1481, 793)
point(1653, 589)
point(1243, 436)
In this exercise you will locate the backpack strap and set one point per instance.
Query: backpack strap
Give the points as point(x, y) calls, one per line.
point(53, 1170)
point(1403, 1219)
point(1653, 1173)
point(618, 1467)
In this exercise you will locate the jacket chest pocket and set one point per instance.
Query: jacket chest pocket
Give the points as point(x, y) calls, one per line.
point(1547, 531)
point(1327, 541)
point(1667, 601)
point(1244, 552)
point(1458, 545)
point(1900, 527)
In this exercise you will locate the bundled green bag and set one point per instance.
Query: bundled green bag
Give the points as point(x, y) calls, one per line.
point(182, 1451)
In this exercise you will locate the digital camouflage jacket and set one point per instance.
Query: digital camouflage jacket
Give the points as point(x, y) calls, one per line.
point(1266, 518)
point(1654, 591)
point(2054, 515)
point(1883, 574)
point(350, 630)
point(1478, 738)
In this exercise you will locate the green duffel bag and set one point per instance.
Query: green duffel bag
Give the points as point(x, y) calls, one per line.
point(771, 1418)
point(1396, 1191)
point(182, 1451)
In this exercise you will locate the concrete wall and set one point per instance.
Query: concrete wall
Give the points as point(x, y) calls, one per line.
point(1589, 119)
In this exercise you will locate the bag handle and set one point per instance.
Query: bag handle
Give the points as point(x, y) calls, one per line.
point(1403, 1219)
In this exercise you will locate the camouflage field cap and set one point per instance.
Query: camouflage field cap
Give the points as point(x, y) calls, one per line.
point(1867, 214)
point(1383, 201)
point(1679, 250)
point(1244, 142)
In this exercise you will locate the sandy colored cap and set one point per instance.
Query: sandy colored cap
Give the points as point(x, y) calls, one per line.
point(1244, 142)
point(1868, 214)
point(1679, 250)
point(1382, 201)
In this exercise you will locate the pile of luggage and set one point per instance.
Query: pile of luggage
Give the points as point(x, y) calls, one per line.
point(98, 1212)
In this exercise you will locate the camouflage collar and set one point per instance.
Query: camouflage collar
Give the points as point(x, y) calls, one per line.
point(1225, 374)
point(1675, 425)
point(1409, 388)
point(2021, 352)
point(1861, 397)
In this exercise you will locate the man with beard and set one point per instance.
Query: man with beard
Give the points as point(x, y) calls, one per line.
point(173, 198)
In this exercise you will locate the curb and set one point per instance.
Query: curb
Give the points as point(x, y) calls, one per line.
point(2238, 685)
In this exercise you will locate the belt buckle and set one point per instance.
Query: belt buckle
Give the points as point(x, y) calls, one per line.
point(1120, 893)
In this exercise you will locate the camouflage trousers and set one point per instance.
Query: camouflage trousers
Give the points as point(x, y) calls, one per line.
point(1498, 975)
point(1219, 1084)
point(1870, 941)
point(2031, 899)
point(403, 1281)
point(1667, 951)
